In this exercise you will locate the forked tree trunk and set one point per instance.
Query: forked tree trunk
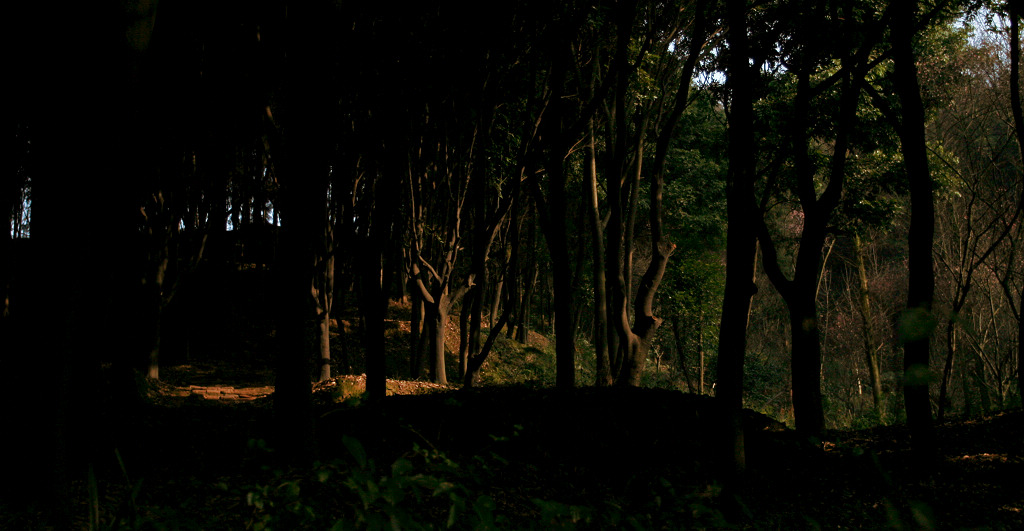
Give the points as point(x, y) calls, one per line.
point(438, 305)
point(437, 321)
point(603, 375)
point(486, 229)
point(475, 363)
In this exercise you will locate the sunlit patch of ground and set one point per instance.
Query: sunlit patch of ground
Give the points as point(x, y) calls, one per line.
point(211, 382)
point(347, 386)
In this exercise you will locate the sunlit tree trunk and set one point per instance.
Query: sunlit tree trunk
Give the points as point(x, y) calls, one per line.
point(465, 317)
point(864, 308)
point(325, 304)
point(600, 337)
point(437, 323)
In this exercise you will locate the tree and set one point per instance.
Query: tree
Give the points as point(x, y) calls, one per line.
point(303, 154)
point(977, 214)
point(82, 171)
point(663, 32)
point(800, 292)
point(444, 289)
point(1014, 13)
point(864, 308)
point(741, 237)
point(917, 323)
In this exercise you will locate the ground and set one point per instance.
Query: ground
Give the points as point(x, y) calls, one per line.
point(524, 457)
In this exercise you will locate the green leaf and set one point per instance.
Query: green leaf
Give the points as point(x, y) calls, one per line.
point(401, 467)
point(356, 449)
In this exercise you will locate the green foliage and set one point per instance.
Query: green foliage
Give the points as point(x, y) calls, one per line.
point(694, 200)
point(514, 363)
point(348, 393)
point(423, 489)
point(665, 507)
point(555, 515)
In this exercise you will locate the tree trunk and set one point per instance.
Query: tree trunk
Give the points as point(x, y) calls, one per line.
point(603, 375)
point(800, 293)
point(296, 317)
point(965, 381)
point(646, 324)
point(554, 216)
point(634, 354)
point(616, 176)
point(54, 308)
point(417, 335)
point(806, 362)
point(681, 355)
point(495, 309)
point(153, 369)
point(917, 322)
point(344, 363)
point(513, 284)
point(565, 331)
point(465, 330)
point(324, 294)
point(473, 370)
point(437, 322)
point(1020, 352)
point(979, 382)
point(486, 229)
point(372, 309)
point(700, 340)
point(324, 345)
point(947, 369)
point(740, 239)
point(1014, 7)
point(303, 155)
point(864, 307)
point(525, 305)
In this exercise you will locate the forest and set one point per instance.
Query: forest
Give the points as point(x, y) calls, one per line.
point(644, 264)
